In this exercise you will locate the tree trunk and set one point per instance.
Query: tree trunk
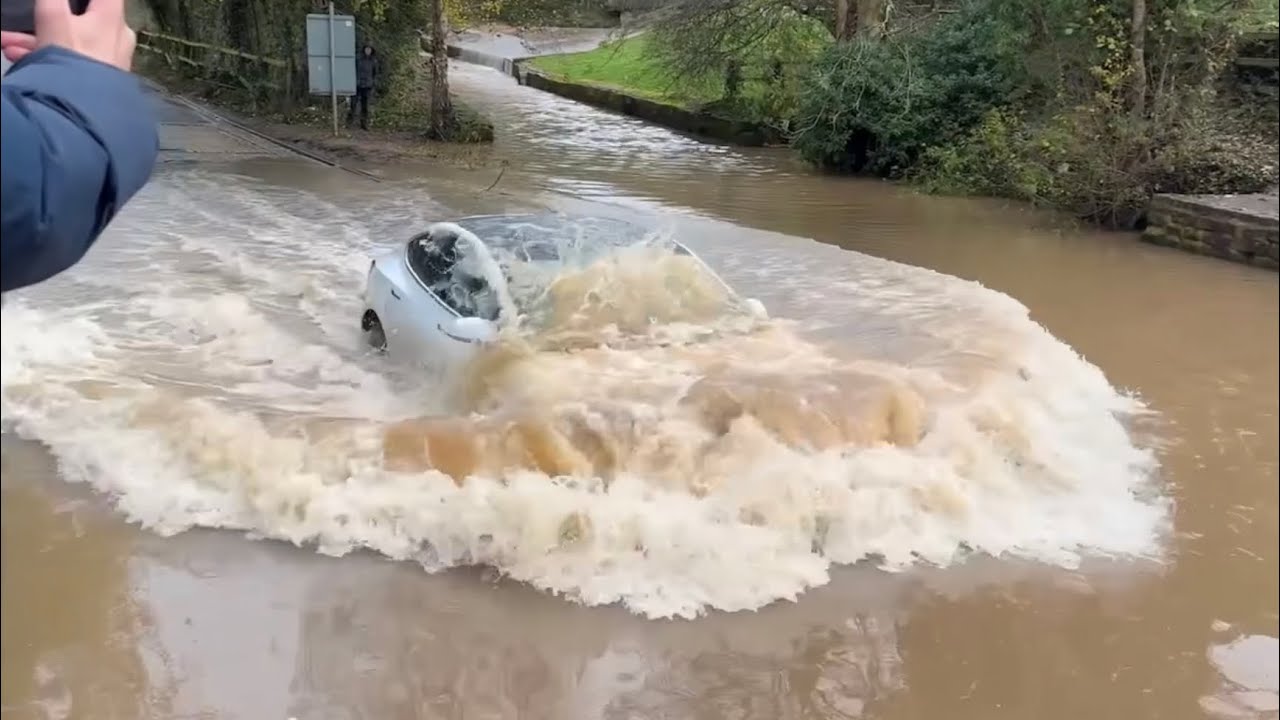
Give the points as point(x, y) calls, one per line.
point(870, 17)
point(845, 20)
point(1138, 59)
point(442, 117)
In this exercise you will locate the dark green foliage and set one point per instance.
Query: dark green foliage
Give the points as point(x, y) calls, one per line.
point(556, 13)
point(1034, 101)
point(875, 105)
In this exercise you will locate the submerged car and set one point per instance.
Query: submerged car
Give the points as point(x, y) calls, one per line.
point(441, 296)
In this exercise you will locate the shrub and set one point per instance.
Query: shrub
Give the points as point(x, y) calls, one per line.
point(1101, 166)
point(876, 105)
point(994, 159)
point(1082, 146)
point(473, 127)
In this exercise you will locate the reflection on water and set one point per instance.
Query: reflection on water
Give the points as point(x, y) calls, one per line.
point(71, 627)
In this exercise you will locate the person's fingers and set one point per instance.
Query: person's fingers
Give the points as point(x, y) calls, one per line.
point(53, 22)
point(14, 53)
point(17, 40)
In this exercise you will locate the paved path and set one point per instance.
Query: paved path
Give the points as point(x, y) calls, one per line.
point(500, 48)
point(514, 44)
point(191, 133)
point(1259, 205)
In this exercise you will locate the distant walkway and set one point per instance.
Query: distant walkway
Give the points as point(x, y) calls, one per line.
point(516, 43)
point(499, 47)
point(191, 133)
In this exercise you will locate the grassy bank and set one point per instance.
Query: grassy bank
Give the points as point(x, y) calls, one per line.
point(631, 66)
point(763, 91)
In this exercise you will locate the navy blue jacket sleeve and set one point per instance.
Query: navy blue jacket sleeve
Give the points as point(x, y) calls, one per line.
point(79, 140)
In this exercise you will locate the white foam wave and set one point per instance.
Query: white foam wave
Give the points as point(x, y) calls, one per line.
point(258, 419)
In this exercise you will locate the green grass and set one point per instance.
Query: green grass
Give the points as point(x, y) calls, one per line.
point(633, 66)
point(629, 66)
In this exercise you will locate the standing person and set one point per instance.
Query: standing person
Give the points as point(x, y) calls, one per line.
point(366, 78)
point(79, 138)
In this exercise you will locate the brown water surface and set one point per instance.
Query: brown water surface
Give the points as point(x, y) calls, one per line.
point(219, 327)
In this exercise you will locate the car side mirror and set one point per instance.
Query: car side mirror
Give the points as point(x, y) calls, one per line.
point(469, 330)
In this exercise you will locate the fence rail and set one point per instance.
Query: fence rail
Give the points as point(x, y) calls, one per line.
point(1258, 50)
point(227, 67)
point(164, 37)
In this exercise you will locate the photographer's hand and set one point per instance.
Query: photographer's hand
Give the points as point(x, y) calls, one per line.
point(80, 137)
point(101, 33)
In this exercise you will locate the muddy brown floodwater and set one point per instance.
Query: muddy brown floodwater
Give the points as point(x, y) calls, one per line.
point(898, 498)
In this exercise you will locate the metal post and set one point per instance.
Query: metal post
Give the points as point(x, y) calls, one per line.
point(333, 81)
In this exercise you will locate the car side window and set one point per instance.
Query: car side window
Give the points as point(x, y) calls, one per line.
point(428, 269)
point(434, 260)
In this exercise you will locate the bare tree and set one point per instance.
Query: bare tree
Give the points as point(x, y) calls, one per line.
point(1138, 59)
point(443, 120)
point(871, 17)
point(698, 37)
point(844, 28)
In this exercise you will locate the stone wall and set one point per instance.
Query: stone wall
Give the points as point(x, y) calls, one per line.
point(504, 65)
point(703, 124)
point(1241, 228)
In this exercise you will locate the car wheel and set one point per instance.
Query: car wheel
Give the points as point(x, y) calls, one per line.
point(374, 335)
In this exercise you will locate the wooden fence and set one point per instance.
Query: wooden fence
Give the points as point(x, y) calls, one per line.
point(1257, 68)
point(261, 77)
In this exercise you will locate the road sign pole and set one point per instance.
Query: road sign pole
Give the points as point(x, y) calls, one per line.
point(333, 62)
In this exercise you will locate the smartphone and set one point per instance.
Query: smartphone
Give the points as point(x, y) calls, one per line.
point(20, 15)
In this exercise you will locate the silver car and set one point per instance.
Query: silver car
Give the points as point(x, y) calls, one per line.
point(440, 297)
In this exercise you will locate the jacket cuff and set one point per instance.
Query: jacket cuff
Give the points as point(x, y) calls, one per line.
point(107, 101)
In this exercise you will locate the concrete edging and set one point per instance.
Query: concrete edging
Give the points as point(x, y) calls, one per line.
point(702, 124)
point(1203, 225)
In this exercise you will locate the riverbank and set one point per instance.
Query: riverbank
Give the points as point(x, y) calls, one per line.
point(608, 69)
point(703, 123)
point(745, 101)
point(1072, 135)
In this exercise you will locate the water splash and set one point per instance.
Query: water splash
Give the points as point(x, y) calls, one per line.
point(645, 441)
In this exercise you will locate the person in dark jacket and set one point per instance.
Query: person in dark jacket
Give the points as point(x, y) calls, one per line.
point(366, 78)
point(78, 140)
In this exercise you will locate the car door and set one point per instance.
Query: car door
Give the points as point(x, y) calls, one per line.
point(403, 306)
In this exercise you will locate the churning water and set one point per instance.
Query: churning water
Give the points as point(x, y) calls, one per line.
point(645, 443)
